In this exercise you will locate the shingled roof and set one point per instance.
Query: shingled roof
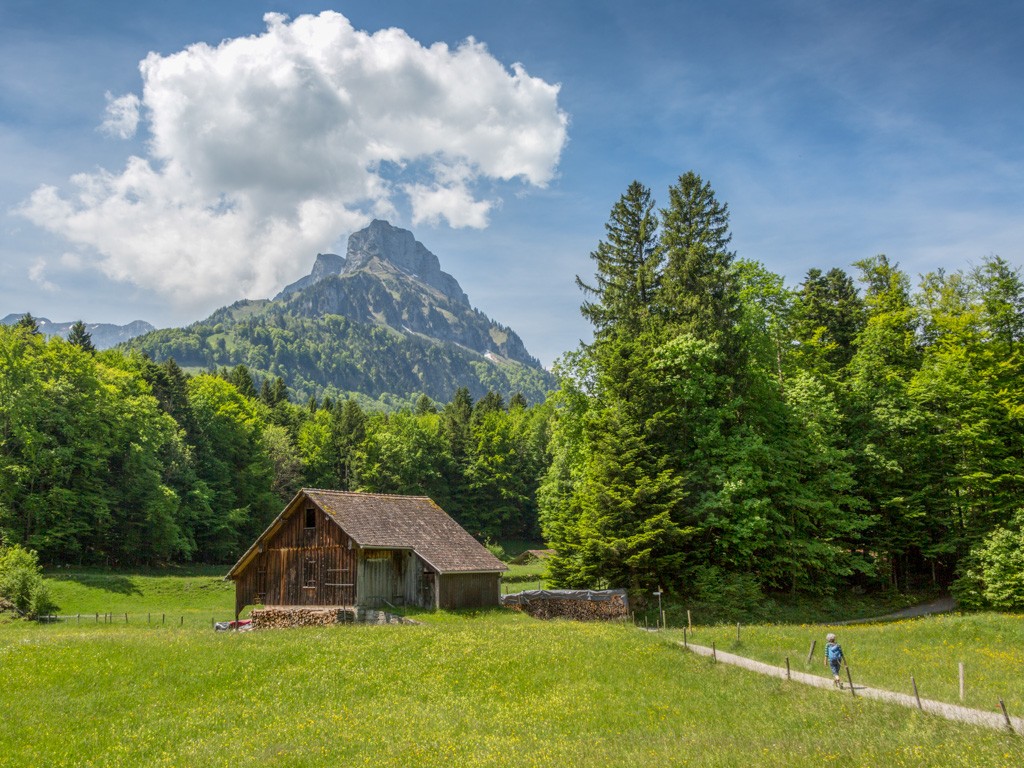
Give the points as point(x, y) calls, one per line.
point(375, 520)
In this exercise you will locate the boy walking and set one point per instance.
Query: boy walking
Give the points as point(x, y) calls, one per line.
point(834, 658)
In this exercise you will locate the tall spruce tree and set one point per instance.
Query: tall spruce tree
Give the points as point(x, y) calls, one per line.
point(700, 292)
point(627, 266)
point(617, 525)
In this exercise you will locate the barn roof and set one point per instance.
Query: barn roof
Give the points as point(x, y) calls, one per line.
point(375, 520)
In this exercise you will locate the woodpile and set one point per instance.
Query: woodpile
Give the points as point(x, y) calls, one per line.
point(582, 605)
point(311, 616)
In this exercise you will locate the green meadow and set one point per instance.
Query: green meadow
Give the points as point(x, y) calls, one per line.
point(885, 655)
point(196, 594)
point(490, 688)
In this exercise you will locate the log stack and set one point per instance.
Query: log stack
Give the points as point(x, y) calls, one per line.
point(578, 605)
point(302, 616)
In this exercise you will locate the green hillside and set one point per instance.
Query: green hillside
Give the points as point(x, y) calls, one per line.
point(334, 356)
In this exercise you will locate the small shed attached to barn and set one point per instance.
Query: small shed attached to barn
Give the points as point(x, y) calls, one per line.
point(365, 550)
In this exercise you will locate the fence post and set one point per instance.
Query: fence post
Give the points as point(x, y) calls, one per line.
point(1005, 715)
point(849, 677)
point(689, 620)
point(916, 695)
point(737, 631)
point(126, 618)
point(788, 676)
point(714, 653)
point(961, 665)
point(810, 654)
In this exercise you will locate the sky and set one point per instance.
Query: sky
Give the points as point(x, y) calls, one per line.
point(160, 160)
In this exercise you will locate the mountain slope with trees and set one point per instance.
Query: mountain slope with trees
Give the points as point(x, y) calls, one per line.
point(110, 458)
point(383, 323)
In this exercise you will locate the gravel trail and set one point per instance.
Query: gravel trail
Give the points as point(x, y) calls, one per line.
point(994, 720)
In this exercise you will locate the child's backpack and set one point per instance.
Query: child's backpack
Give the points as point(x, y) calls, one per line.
point(834, 652)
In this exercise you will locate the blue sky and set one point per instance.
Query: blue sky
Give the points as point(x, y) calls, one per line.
point(834, 131)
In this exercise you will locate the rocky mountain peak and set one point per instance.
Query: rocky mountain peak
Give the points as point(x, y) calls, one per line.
point(399, 248)
point(327, 264)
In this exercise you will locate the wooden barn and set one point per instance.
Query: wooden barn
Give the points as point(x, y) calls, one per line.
point(365, 550)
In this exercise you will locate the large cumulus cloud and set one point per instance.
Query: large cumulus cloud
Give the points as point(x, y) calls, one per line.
point(270, 146)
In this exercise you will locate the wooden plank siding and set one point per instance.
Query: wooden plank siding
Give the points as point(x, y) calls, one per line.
point(468, 590)
point(301, 566)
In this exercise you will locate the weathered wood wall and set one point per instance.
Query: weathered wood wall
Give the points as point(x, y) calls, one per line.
point(469, 590)
point(301, 566)
point(391, 575)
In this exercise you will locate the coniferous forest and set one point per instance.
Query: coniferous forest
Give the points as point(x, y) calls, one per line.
point(721, 433)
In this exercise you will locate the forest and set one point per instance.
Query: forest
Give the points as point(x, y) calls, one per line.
point(722, 433)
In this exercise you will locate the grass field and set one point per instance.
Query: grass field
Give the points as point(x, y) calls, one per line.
point(526, 576)
point(489, 689)
point(484, 689)
point(196, 594)
point(885, 655)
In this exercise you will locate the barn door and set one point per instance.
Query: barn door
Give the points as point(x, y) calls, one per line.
point(378, 581)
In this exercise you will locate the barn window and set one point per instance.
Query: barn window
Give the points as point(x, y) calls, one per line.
point(309, 581)
point(310, 517)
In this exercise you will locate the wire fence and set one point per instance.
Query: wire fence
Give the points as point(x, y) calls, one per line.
point(152, 619)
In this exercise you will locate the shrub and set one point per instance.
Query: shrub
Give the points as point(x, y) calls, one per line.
point(993, 574)
point(496, 549)
point(21, 581)
point(722, 595)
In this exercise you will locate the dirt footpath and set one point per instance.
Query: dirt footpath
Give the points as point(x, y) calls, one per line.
point(949, 711)
point(941, 605)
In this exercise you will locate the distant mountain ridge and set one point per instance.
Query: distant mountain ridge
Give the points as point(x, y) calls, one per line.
point(384, 321)
point(104, 335)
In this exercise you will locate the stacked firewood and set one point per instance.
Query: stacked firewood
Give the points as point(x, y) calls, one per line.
point(279, 618)
point(575, 609)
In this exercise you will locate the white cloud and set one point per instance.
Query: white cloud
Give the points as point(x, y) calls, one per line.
point(37, 274)
point(265, 149)
point(452, 202)
point(448, 197)
point(122, 115)
point(72, 261)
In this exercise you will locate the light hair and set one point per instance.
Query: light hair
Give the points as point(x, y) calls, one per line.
point(830, 638)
